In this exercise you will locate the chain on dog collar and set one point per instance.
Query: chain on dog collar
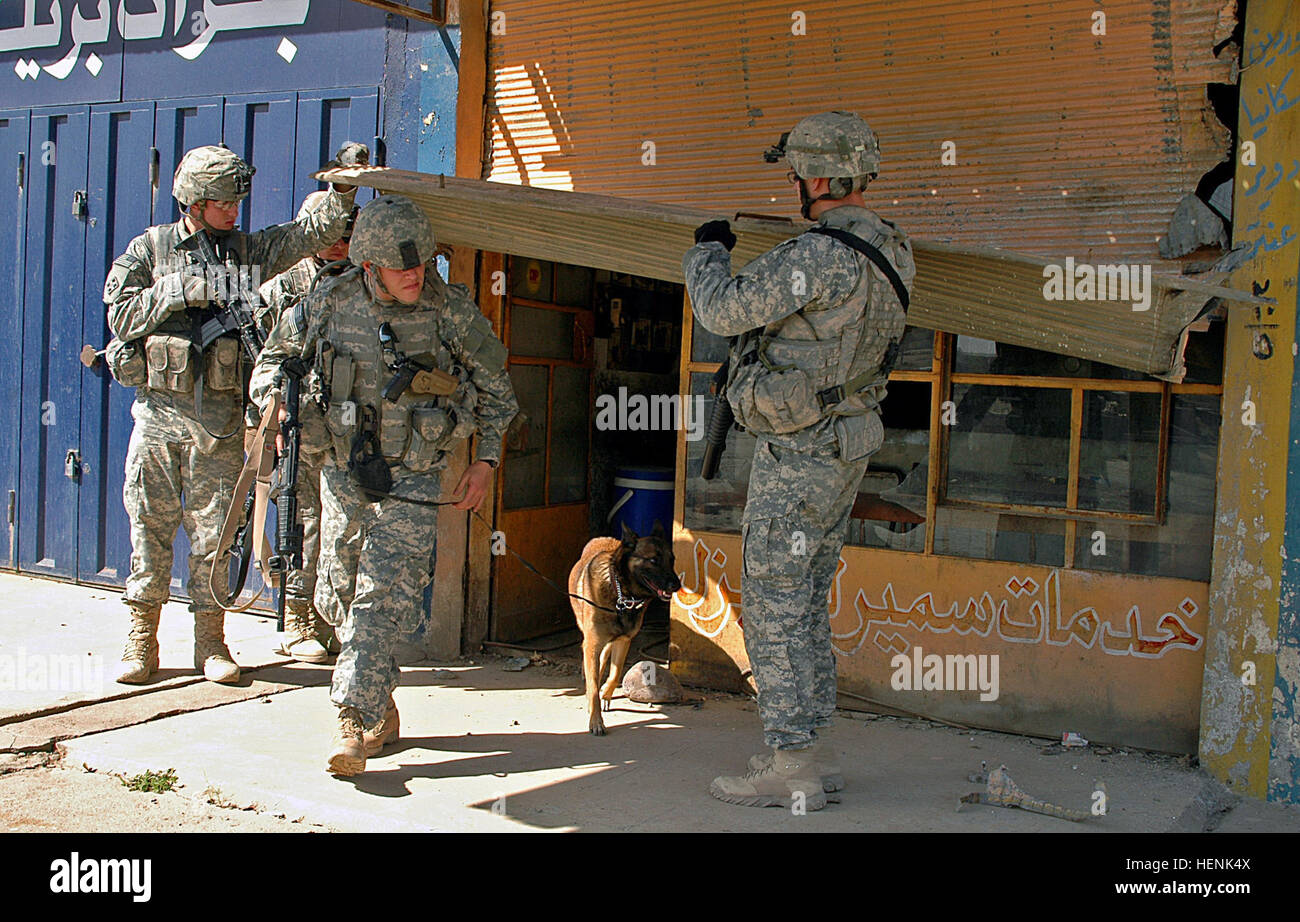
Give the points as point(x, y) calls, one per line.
point(625, 603)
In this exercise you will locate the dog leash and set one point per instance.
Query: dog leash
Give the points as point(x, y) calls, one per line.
point(550, 582)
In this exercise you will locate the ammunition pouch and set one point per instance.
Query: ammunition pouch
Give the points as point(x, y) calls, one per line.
point(859, 436)
point(773, 402)
point(431, 429)
point(170, 363)
point(340, 422)
point(221, 365)
point(126, 363)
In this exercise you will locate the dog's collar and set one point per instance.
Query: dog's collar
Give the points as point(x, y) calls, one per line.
point(626, 603)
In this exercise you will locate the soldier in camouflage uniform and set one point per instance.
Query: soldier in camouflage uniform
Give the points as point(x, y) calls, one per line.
point(185, 452)
point(807, 380)
point(380, 488)
point(308, 637)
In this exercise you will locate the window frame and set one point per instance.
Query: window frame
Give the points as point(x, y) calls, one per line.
point(941, 377)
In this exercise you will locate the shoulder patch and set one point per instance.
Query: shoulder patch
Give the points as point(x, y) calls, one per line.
point(118, 274)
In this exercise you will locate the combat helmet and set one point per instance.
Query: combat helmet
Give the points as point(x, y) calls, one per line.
point(313, 201)
point(393, 232)
point(213, 173)
point(830, 145)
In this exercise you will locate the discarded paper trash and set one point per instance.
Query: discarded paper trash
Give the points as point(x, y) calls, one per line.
point(517, 664)
point(1003, 792)
point(1071, 740)
point(650, 683)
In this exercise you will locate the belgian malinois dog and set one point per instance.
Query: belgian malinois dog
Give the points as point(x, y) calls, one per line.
point(610, 588)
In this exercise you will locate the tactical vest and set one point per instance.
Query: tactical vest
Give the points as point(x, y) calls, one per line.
point(415, 430)
point(173, 355)
point(809, 366)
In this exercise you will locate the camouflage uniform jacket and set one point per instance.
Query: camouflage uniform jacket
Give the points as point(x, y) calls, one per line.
point(335, 329)
point(789, 289)
point(142, 289)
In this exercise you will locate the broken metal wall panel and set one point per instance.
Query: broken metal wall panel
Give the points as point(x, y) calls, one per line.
point(993, 294)
point(1065, 141)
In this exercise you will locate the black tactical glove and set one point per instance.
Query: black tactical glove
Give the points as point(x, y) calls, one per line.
point(717, 232)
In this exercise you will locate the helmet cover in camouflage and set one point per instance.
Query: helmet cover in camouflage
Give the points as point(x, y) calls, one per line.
point(212, 173)
point(832, 144)
point(392, 231)
point(313, 201)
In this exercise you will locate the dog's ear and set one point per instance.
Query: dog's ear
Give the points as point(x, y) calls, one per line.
point(658, 530)
point(629, 538)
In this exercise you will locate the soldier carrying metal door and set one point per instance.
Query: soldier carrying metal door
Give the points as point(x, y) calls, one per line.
point(179, 306)
point(817, 321)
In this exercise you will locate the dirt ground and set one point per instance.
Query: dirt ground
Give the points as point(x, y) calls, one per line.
point(40, 794)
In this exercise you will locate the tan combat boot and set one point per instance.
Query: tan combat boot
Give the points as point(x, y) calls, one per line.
point(299, 640)
point(385, 732)
point(790, 779)
point(140, 658)
point(324, 631)
point(348, 757)
point(211, 655)
point(828, 766)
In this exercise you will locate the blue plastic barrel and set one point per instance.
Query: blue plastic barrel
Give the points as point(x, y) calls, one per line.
point(642, 496)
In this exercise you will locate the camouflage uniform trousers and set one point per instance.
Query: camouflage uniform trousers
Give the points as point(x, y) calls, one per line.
point(376, 561)
point(161, 470)
point(799, 501)
point(301, 584)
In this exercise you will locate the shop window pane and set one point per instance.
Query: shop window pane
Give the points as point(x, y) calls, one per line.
point(572, 285)
point(569, 434)
point(715, 505)
point(1118, 456)
point(706, 346)
point(1009, 445)
point(539, 332)
point(999, 536)
point(530, 278)
point(1181, 547)
point(890, 508)
point(982, 356)
point(524, 469)
point(917, 350)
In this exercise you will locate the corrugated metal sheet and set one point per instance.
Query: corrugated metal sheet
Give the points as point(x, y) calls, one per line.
point(1067, 142)
point(995, 294)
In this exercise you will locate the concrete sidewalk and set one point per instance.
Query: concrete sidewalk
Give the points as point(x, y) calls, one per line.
point(487, 749)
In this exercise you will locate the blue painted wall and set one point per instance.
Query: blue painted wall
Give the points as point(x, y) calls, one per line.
point(282, 93)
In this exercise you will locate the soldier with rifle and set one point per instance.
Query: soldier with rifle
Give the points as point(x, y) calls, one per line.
point(181, 304)
point(407, 368)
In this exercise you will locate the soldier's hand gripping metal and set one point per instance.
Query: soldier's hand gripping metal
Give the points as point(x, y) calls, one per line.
point(289, 529)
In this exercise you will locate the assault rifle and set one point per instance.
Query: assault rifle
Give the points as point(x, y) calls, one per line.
point(288, 530)
point(232, 314)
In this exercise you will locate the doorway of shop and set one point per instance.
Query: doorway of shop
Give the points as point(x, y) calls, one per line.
point(575, 335)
